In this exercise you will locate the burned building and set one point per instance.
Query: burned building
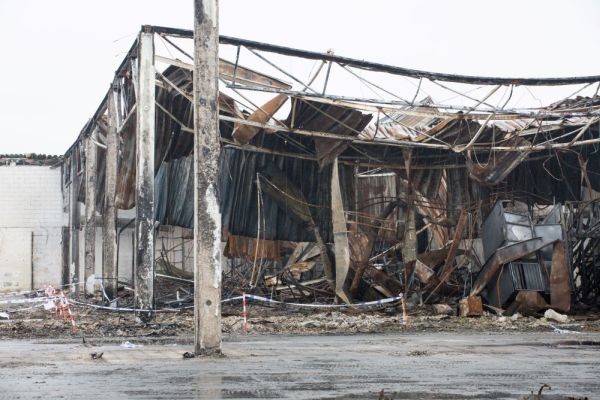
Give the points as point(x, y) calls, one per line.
point(325, 195)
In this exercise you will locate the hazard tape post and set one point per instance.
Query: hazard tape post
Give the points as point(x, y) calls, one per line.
point(404, 314)
point(245, 325)
point(60, 306)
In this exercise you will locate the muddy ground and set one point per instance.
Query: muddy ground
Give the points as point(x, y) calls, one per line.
point(39, 323)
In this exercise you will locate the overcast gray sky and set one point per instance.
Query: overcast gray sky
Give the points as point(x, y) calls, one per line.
point(59, 56)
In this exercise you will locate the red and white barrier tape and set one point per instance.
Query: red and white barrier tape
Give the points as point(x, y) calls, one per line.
point(60, 305)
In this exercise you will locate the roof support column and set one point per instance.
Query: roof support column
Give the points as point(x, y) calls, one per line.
point(409, 245)
point(144, 180)
point(457, 196)
point(207, 217)
point(90, 212)
point(74, 221)
point(109, 214)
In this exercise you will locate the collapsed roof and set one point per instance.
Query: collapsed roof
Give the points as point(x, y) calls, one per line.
point(282, 135)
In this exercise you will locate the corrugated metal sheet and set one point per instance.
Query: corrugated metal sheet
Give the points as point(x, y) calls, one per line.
point(374, 192)
point(239, 198)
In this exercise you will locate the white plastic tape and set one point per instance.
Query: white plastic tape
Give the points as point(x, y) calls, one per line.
point(25, 301)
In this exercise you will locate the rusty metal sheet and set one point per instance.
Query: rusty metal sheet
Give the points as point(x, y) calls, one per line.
point(470, 306)
point(244, 133)
point(432, 258)
point(560, 288)
point(249, 248)
point(527, 302)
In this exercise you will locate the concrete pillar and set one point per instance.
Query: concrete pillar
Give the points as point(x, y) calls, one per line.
point(74, 222)
point(207, 217)
point(144, 181)
point(109, 212)
point(90, 209)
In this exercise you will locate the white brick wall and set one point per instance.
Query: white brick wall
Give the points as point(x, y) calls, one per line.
point(30, 203)
point(30, 197)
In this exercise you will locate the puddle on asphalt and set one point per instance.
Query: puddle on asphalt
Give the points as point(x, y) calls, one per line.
point(593, 343)
point(558, 344)
point(425, 396)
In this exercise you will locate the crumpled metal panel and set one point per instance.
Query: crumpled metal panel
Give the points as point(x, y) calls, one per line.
point(316, 116)
point(514, 277)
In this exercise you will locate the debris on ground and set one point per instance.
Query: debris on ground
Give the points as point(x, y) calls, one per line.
point(443, 309)
point(129, 345)
point(553, 315)
point(106, 324)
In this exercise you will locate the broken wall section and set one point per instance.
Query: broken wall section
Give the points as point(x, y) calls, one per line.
point(31, 221)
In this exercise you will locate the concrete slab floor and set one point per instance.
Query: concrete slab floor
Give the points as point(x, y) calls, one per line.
point(405, 366)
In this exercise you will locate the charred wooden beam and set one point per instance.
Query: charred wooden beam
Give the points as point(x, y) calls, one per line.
point(144, 180)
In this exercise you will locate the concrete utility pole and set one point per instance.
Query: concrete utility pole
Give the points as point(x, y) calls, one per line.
point(207, 217)
point(144, 179)
point(109, 213)
point(90, 210)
